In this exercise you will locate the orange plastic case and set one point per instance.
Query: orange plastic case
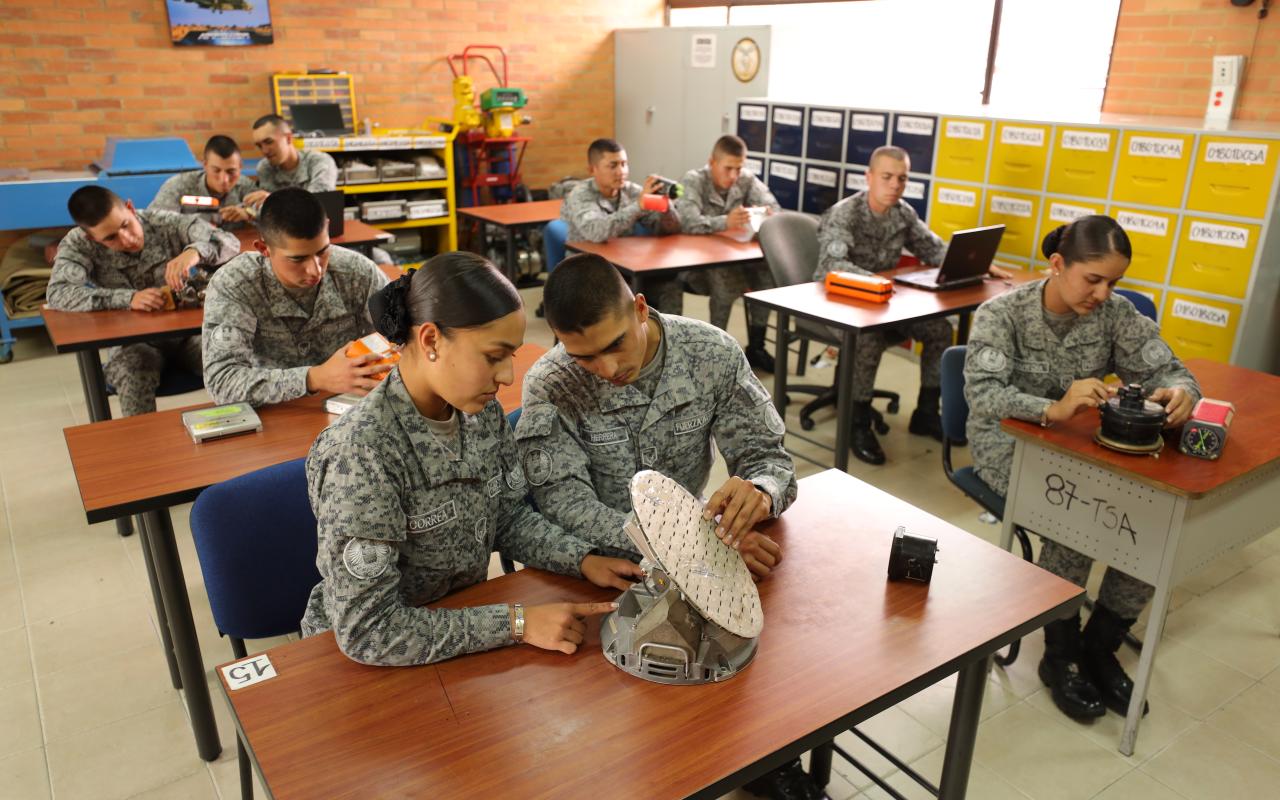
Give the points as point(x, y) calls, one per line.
point(375, 343)
point(868, 288)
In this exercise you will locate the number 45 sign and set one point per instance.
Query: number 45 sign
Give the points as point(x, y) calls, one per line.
point(249, 671)
point(1094, 511)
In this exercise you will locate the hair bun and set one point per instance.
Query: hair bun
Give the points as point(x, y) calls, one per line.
point(1052, 241)
point(389, 309)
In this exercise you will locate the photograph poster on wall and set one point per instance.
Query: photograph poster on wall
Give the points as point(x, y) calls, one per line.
point(219, 23)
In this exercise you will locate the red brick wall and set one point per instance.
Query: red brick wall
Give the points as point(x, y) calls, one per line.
point(1162, 57)
point(74, 71)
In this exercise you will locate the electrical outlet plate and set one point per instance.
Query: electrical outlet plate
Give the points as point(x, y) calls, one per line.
point(1228, 71)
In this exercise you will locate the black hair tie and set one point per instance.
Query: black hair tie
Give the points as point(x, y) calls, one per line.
point(389, 308)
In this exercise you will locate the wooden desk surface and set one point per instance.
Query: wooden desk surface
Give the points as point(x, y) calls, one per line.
point(135, 464)
point(89, 330)
point(810, 300)
point(1253, 442)
point(677, 251)
point(840, 643)
point(510, 214)
point(354, 232)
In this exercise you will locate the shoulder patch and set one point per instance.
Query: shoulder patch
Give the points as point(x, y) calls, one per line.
point(537, 466)
point(992, 360)
point(837, 249)
point(366, 559)
point(1156, 353)
point(773, 420)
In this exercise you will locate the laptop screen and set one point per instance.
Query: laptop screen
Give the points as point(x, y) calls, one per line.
point(309, 117)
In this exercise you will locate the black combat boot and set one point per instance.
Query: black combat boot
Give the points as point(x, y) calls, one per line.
point(925, 420)
point(757, 356)
point(862, 440)
point(1060, 669)
point(787, 782)
point(1103, 635)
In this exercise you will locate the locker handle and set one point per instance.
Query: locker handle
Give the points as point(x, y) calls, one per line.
point(1199, 267)
point(1227, 188)
point(1081, 173)
point(1149, 181)
point(1018, 165)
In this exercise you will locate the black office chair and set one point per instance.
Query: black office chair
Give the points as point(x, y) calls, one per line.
point(790, 243)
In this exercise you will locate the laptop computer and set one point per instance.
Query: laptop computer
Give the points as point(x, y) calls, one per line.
point(318, 119)
point(968, 258)
point(333, 203)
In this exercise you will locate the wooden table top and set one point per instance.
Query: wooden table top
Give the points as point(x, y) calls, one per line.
point(674, 252)
point(1252, 443)
point(512, 214)
point(126, 466)
point(811, 301)
point(354, 232)
point(840, 643)
point(89, 330)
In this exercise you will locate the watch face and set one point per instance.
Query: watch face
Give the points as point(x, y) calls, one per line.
point(1201, 440)
point(746, 60)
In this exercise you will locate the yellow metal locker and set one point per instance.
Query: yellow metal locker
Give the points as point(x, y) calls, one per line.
point(1152, 169)
point(1233, 176)
point(954, 207)
point(1082, 161)
point(1197, 327)
point(1019, 155)
point(1215, 256)
point(1152, 234)
point(962, 149)
point(1017, 212)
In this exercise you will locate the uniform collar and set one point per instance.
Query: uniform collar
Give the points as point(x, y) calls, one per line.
point(329, 305)
point(1037, 334)
point(203, 185)
point(414, 425)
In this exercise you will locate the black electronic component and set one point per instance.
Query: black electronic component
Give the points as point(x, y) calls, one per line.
point(912, 557)
point(1130, 422)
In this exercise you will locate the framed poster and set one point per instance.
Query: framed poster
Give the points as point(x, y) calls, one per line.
point(219, 23)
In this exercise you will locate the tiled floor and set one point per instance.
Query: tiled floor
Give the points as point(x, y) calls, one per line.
point(86, 709)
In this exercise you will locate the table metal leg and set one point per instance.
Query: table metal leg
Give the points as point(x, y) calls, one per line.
point(844, 401)
point(820, 764)
point(186, 644)
point(94, 384)
point(780, 359)
point(962, 735)
point(166, 638)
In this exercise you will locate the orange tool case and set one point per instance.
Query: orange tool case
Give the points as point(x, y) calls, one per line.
point(869, 288)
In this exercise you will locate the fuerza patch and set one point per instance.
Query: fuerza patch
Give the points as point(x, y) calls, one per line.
point(692, 424)
point(366, 559)
point(429, 521)
point(1156, 353)
point(537, 466)
point(992, 360)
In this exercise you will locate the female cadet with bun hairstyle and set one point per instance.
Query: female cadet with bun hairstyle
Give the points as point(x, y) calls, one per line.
point(1040, 353)
point(416, 486)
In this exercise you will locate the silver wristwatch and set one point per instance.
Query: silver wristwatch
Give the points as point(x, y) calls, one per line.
point(517, 628)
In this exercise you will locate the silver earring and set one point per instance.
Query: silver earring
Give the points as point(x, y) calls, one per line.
point(431, 355)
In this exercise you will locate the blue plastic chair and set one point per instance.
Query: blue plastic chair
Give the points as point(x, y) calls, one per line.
point(554, 235)
point(1141, 302)
point(255, 536)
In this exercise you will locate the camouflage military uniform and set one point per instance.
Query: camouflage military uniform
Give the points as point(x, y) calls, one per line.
point(1016, 366)
point(592, 217)
point(260, 339)
point(90, 277)
point(169, 198)
point(582, 439)
point(316, 172)
point(852, 238)
point(406, 515)
point(702, 209)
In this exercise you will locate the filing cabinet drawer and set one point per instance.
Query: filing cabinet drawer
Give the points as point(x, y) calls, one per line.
point(1152, 168)
point(855, 180)
point(753, 126)
point(917, 135)
point(825, 140)
point(867, 131)
point(1061, 211)
point(1199, 328)
point(784, 182)
point(1152, 234)
point(786, 133)
point(1082, 161)
point(821, 189)
point(1017, 212)
point(1233, 176)
point(1215, 256)
point(954, 208)
point(962, 149)
point(1019, 155)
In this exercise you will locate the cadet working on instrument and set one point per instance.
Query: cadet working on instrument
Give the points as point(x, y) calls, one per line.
point(220, 179)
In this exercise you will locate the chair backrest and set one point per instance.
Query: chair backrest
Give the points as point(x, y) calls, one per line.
point(1140, 301)
point(789, 240)
point(256, 539)
point(955, 409)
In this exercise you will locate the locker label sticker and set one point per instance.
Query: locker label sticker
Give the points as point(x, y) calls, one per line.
point(1226, 235)
point(752, 165)
point(914, 190)
point(786, 116)
point(965, 130)
point(1031, 137)
point(751, 113)
point(867, 122)
point(958, 197)
point(1094, 141)
point(1198, 312)
point(821, 177)
point(916, 126)
point(1154, 147)
point(789, 172)
point(855, 181)
point(825, 119)
point(1254, 155)
point(1011, 206)
point(1143, 223)
point(1062, 212)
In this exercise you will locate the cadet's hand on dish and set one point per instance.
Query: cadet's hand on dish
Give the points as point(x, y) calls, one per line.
point(740, 506)
point(1084, 393)
point(341, 374)
point(737, 218)
point(175, 272)
point(235, 214)
point(1177, 404)
point(256, 198)
point(560, 626)
point(147, 300)
point(611, 573)
point(761, 553)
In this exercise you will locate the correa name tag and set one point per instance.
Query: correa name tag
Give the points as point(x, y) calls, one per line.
point(249, 671)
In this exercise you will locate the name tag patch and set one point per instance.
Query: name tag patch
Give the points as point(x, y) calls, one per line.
point(605, 436)
point(421, 523)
